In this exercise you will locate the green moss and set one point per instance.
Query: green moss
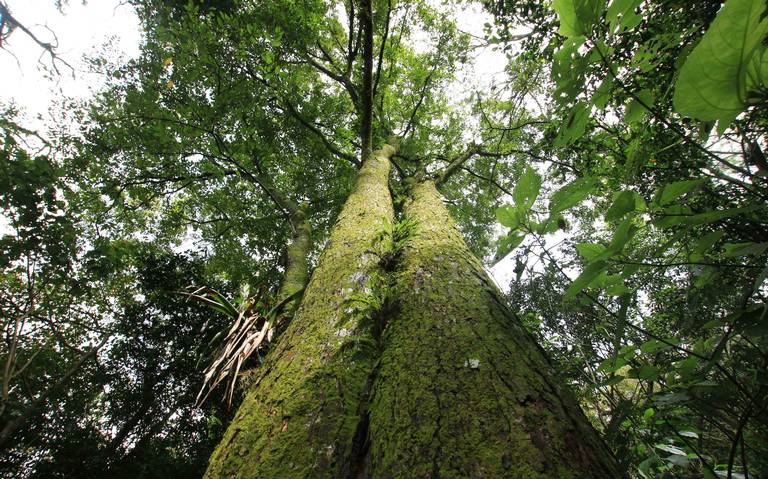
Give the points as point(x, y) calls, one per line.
point(300, 417)
point(462, 390)
point(459, 389)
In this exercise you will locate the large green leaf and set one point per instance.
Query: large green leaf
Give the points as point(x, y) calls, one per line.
point(626, 10)
point(507, 216)
point(590, 251)
point(702, 218)
point(636, 108)
point(574, 125)
point(623, 203)
point(671, 191)
point(571, 194)
point(577, 16)
point(590, 273)
point(527, 189)
point(712, 84)
point(507, 244)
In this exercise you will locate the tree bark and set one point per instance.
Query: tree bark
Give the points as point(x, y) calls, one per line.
point(297, 265)
point(301, 417)
point(366, 115)
point(462, 389)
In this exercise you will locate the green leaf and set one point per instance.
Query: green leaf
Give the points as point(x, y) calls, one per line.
point(744, 249)
point(754, 321)
point(707, 242)
point(712, 84)
point(568, 69)
point(572, 194)
point(623, 203)
point(590, 273)
point(622, 235)
point(653, 346)
point(574, 125)
point(648, 413)
point(507, 216)
point(577, 16)
point(610, 365)
point(671, 449)
point(636, 108)
point(602, 94)
point(626, 10)
point(757, 72)
point(712, 216)
point(527, 189)
point(648, 372)
point(590, 251)
point(612, 381)
point(671, 191)
point(508, 243)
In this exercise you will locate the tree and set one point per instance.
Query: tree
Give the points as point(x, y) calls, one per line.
point(327, 401)
point(267, 137)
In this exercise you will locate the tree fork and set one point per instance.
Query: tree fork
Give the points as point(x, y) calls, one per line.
point(462, 389)
point(301, 416)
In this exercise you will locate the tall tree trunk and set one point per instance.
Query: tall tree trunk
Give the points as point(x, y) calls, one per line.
point(462, 390)
point(301, 417)
point(366, 114)
point(297, 265)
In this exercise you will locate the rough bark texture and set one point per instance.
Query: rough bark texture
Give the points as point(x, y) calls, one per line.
point(462, 390)
point(297, 266)
point(301, 417)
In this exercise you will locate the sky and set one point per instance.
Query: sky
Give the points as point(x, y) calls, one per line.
point(81, 29)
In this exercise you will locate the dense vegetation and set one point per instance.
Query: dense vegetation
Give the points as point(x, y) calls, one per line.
point(622, 153)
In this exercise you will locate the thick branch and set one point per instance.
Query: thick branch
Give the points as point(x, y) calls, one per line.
point(454, 165)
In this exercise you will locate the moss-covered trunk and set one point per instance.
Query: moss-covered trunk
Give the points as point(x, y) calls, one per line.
point(462, 390)
point(301, 417)
point(297, 264)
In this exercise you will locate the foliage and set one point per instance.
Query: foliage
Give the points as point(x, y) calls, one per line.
point(637, 229)
point(653, 302)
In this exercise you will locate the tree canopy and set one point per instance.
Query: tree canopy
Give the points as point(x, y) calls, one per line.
point(615, 167)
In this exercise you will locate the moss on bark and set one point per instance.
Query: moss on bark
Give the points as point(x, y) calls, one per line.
point(302, 416)
point(462, 390)
point(297, 265)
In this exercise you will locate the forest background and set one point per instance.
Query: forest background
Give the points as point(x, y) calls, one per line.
point(629, 178)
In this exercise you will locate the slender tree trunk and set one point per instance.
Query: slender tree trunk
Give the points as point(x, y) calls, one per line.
point(301, 417)
point(366, 115)
point(462, 390)
point(297, 266)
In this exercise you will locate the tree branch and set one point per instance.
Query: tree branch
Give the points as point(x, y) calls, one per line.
point(366, 116)
point(381, 48)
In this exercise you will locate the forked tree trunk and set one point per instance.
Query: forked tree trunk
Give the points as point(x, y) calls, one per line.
point(300, 419)
point(454, 387)
point(462, 390)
